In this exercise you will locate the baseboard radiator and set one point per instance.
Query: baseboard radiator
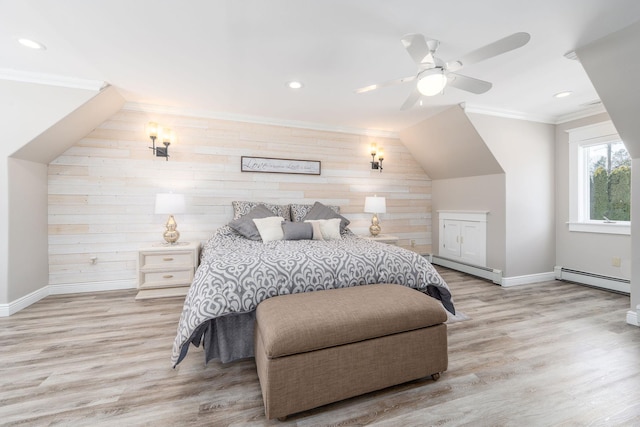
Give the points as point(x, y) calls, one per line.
point(475, 270)
point(591, 279)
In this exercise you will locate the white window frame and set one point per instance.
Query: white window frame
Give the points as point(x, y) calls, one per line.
point(600, 133)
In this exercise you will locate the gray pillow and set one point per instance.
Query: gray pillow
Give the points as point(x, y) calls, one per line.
point(320, 211)
point(241, 208)
point(245, 224)
point(298, 212)
point(297, 230)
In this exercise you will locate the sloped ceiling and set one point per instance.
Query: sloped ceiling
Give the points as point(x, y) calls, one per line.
point(613, 64)
point(447, 146)
point(70, 129)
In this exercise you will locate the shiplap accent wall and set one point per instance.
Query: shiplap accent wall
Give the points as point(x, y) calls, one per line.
point(102, 190)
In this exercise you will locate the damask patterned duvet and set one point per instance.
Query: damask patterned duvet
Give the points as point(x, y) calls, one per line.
point(236, 274)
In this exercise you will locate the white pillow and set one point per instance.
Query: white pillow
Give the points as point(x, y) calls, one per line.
point(330, 228)
point(270, 228)
point(317, 233)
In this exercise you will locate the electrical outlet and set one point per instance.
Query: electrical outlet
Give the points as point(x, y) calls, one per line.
point(615, 261)
point(413, 243)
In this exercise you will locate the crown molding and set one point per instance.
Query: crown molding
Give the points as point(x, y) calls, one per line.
point(51, 80)
point(553, 120)
point(508, 114)
point(581, 114)
point(207, 114)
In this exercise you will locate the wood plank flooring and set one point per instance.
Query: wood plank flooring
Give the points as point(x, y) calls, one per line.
point(546, 354)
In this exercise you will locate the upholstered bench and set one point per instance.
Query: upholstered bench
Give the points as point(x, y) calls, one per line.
point(316, 348)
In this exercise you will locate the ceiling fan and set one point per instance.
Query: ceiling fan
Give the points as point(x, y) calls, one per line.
point(434, 74)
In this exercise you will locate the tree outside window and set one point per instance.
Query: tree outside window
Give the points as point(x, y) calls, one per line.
point(609, 168)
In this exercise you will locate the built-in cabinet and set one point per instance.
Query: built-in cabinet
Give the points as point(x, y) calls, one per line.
point(463, 236)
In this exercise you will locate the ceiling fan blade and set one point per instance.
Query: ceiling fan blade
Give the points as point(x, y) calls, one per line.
point(411, 100)
point(496, 48)
point(468, 83)
point(385, 84)
point(419, 48)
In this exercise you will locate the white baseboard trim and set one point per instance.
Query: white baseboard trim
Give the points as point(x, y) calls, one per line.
point(13, 307)
point(77, 288)
point(485, 272)
point(528, 279)
point(632, 317)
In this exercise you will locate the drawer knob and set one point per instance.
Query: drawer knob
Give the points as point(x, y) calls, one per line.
point(167, 276)
point(167, 259)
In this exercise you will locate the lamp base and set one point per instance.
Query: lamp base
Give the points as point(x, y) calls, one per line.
point(374, 229)
point(171, 235)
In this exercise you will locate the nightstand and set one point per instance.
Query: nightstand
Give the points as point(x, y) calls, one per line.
point(166, 270)
point(383, 238)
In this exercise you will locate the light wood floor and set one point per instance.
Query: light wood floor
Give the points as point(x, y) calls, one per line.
point(545, 354)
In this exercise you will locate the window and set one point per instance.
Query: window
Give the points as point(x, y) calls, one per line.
point(608, 167)
point(600, 181)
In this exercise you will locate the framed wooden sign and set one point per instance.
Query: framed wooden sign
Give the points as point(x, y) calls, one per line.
point(271, 165)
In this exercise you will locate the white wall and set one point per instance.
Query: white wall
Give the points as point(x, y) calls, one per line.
point(28, 254)
point(27, 110)
point(102, 189)
point(477, 193)
point(525, 151)
point(635, 242)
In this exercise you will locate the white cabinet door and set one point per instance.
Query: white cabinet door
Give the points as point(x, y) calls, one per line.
point(450, 239)
point(463, 237)
point(472, 245)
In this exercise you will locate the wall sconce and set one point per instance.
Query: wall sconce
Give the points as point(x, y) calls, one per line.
point(376, 164)
point(167, 137)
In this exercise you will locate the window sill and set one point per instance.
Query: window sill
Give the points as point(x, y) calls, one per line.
point(600, 227)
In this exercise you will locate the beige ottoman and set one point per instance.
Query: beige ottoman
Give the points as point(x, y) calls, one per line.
point(315, 348)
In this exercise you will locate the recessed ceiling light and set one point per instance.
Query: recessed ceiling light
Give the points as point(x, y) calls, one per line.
point(32, 44)
point(294, 85)
point(563, 94)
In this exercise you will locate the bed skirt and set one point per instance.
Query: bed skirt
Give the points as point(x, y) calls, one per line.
point(229, 338)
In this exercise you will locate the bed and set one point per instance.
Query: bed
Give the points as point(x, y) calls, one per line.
point(238, 271)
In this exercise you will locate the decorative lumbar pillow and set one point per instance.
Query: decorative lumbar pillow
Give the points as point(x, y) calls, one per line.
point(297, 230)
point(270, 228)
point(298, 212)
point(241, 208)
point(245, 224)
point(317, 233)
point(329, 228)
point(320, 211)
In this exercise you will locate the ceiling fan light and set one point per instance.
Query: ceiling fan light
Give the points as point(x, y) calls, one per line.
point(432, 82)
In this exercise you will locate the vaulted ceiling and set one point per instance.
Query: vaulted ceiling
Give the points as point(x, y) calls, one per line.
point(234, 58)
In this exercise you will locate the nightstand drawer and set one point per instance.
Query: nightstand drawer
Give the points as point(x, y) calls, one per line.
point(383, 238)
point(166, 260)
point(166, 278)
point(166, 270)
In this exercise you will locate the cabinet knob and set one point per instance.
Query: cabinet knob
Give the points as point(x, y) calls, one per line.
point(167, 276)
point(167, 259)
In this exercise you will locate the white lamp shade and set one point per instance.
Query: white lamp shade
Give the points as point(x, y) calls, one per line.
point(169, 203)
point(432, 82)
point(375, 205)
